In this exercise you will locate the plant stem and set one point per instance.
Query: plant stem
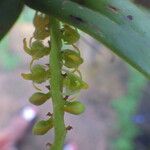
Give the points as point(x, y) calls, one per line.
point(56, 86)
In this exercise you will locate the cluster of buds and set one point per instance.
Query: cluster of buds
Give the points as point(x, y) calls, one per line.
point(71, 60)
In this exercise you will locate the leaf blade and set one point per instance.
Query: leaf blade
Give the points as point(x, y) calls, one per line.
point(9, 12)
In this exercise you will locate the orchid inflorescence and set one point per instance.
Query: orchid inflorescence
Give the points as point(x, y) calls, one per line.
point(70, 61)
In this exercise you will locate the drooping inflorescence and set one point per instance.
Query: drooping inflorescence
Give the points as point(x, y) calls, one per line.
point(39, 46)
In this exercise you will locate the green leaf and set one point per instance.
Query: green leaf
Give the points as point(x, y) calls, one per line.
point(119, 24)
point(9, 12)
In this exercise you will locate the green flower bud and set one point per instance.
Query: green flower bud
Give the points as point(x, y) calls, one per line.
point(41, 34)
point(39, 98)
point(73, 83)
point(41, 23)
point(75, 107)
point(26, 76)
point(70, 35)
point(72, 59)
point(37, 45)
point(26, 48)
point(39, 74)
point(37, 49)
point(42, 127)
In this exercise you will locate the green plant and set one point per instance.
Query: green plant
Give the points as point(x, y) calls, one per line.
point(61, 71)
point(120, 25)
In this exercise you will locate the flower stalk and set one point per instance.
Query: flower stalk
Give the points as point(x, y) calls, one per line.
point(56, 86)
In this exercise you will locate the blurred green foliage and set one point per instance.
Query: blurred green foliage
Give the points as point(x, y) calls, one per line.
point(125, 108)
